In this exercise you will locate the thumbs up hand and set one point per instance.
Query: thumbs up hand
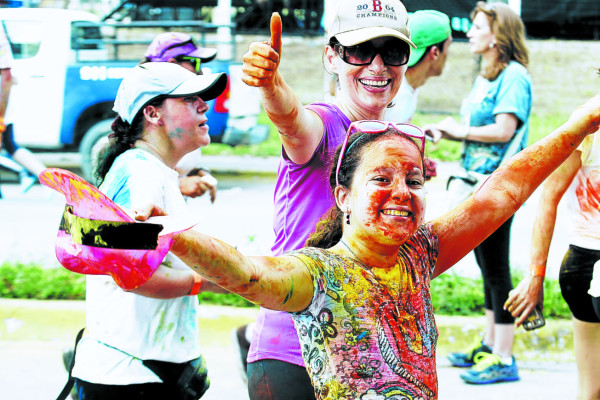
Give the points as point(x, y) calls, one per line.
point(262, 58)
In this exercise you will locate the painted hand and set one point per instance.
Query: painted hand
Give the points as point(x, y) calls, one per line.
point(586, 117)
point(262, 58)
point(197, 185)
point(522, 299)
point(147, 211)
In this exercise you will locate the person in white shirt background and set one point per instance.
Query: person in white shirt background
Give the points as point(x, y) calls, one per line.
point(430, 31)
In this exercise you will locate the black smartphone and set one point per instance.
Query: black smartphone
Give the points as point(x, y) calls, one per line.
point(535, 320)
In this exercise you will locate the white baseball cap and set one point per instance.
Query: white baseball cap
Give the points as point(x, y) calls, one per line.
point(358, 21)
point(144, 82)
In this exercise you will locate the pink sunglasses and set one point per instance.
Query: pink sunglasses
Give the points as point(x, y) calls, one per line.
point(374, 126)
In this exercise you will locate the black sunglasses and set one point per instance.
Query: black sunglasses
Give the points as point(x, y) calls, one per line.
point(394, 52)
point(195, 61)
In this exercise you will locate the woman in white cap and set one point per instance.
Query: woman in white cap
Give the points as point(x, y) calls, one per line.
point(368, 49)
point(179, 48)
point(137, 343)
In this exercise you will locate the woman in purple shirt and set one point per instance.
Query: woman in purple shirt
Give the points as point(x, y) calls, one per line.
point(367, 52)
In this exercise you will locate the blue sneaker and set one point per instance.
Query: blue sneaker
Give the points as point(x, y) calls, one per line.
point(467, 357)
point(489, 368)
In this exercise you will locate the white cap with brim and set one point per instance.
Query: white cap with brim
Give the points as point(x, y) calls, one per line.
point(147, 81)
point(357, 21)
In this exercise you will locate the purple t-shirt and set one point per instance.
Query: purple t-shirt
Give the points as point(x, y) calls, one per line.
point(302, 196)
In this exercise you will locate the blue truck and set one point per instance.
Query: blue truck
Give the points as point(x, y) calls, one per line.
point(68, 66)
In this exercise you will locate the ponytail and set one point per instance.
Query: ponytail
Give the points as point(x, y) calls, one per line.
point(328, 231)
point(122, 138)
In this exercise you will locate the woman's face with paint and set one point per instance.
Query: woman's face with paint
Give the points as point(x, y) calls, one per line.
point(387, 199)
point(184, 120)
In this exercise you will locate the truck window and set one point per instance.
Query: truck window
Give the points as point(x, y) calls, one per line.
point(25, 37)
point(82, 32)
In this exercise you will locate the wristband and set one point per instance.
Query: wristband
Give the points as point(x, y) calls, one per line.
point(538, 270)
point(197, 285)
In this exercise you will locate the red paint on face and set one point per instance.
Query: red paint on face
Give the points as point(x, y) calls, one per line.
point(388, 194)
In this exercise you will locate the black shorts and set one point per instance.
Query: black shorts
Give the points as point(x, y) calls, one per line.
point(8, 141)
point(278, 380)
point(575, 276)
point(141, 391)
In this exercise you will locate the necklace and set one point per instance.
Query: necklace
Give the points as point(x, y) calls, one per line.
point(355, 256)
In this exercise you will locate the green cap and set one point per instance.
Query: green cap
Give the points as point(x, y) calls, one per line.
point(427, 27)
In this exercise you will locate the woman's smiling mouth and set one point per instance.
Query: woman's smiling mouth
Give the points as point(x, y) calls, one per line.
point(396, 213)
point(375, 83)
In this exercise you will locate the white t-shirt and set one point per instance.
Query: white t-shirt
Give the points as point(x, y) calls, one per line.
point(124, 328)
point(584, 197)
point(405, 104)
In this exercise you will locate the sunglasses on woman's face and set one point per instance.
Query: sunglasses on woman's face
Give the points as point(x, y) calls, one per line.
point(393, 52)
point(374, 126)
point(195, 61)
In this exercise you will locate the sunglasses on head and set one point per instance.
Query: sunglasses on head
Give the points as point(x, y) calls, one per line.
point(195, 61)
point(374, 126)
point(393, 52)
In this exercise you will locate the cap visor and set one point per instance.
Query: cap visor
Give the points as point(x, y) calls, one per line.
point(415, 55)
point(355, 37)
point(204, 54)
point(207, 86)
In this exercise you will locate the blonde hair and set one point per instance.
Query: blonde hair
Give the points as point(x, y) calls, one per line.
point(508, 28)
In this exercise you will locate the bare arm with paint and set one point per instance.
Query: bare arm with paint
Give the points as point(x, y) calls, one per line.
point(463, 228)
point(169, 283)
point(530, 290)
point(300, 130)
point(279, 283)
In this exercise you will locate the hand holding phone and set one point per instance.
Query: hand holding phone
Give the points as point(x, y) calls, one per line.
point(535, 319)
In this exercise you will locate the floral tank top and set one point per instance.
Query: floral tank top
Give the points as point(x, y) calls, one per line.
point(369, 335)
